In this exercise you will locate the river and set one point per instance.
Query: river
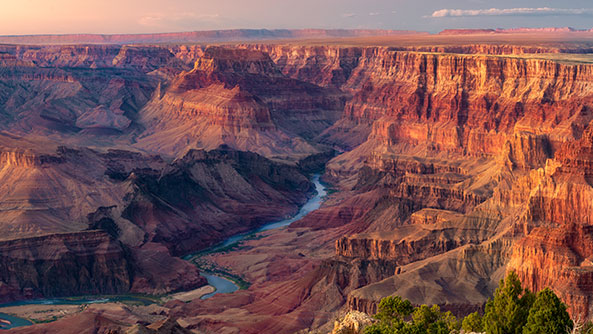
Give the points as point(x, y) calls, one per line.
point(221, 284)
point(224, 285)
point(19, 322)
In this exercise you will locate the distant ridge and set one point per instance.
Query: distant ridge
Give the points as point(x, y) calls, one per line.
point(207, 36)
point(513, 31)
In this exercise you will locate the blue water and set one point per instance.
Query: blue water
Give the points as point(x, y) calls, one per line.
point(223, 285)
point(313, 204)
point(14, 321)
point(77, 301)
point(19, 322)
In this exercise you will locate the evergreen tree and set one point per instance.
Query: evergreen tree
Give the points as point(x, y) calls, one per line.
point(394, 308)
point(473, 323)
point(430, 320)
point(392, 312)
point(394, 318)
point(507, 312)
point(548, 315)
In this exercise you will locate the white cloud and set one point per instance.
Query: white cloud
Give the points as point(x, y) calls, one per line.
point(348, 15)
point(179, 20)
point(374, 13)
point(542, 11)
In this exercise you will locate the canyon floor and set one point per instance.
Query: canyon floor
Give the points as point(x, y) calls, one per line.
point(448, 160)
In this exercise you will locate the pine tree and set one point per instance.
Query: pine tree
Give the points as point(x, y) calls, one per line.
point(507, 312)
point(548, 315)
point(394, 308)
point(473, 323)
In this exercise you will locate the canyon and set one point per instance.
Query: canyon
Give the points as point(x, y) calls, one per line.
point(449, 163)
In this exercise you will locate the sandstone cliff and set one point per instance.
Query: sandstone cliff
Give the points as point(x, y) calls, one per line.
point(146, 208)
point(82, 263)
point(556, 250)
point(239, 98)
point(497, 143)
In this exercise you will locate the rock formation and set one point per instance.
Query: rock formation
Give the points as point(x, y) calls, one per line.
point(127, 213)
point(239, 98)
point(352, 323)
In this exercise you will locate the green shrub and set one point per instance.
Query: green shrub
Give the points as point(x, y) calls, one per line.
point(548, 315)
point(394, 318)
point(513, 310)
point(430, 320)
point(394, 308)
point(507, 312)
point(473, 323)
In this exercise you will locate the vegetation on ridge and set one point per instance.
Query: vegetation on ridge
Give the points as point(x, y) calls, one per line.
point(513, 310)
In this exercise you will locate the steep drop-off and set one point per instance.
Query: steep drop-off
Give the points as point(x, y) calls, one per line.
point(148, 210)
point(239, 98)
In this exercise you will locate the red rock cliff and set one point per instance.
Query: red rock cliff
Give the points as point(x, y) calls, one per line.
point(63, 264)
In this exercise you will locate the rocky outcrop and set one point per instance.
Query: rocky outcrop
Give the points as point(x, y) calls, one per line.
point(548, 258)
point(147, 210)
point(27, 159)
point(187, 53)
point(71, 56)
point(81, 263)
point(69, 100)
point(140, 58)
point(352, 323)
point(239, 98)
point(526, 150)
point(461, 102)
point(401, 251)
point(556, 251)
point(206, 196)
point(112, 318)
point(320, 65)
point(498, 49)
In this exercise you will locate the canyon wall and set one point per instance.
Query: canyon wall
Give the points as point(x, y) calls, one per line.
point(148, 212)
point(239, 98)
point(556, 250)
point(83, 263)
point(498, 143)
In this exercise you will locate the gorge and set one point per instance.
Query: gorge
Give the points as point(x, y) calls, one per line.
point(447, 163)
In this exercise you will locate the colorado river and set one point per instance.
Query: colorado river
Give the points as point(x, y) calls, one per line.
point(13, 321)
point(223, 285)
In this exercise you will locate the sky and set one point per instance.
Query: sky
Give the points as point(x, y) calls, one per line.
point(18, 17)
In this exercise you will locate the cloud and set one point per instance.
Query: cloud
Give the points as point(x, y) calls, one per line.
point(374, 13)
point(542, 11)
point(348, 15)
point(179, 20)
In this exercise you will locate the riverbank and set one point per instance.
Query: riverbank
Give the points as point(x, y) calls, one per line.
point(28, 312)
point(220, 277)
